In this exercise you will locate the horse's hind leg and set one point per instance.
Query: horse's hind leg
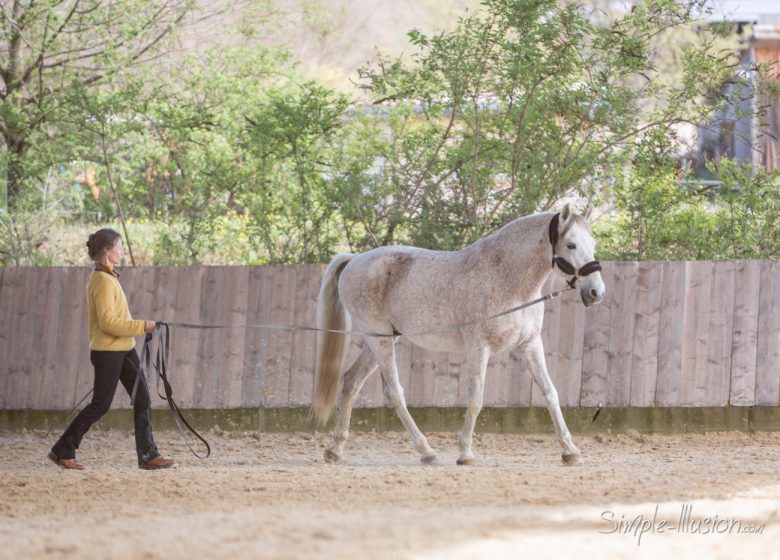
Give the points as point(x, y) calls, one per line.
point(476, 364)
point(535, 354)
point(384, 350)
point(353, 381)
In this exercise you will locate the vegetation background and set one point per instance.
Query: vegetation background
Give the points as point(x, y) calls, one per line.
point(248, 132)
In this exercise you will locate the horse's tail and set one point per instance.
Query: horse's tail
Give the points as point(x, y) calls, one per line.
point(330, 345)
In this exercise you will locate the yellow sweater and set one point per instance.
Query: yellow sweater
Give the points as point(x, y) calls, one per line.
point(111, 327)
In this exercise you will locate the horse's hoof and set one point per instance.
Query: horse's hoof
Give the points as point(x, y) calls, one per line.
point(429, 460)
point(466, 461)
point(331, 457)
point(572, 459)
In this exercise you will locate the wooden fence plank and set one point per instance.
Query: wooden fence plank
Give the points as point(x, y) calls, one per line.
point(304, 342)
point(19, 287)
point(42, 318)
point(84, 375)
point(11, 297)
point(15, 299)
point(22, 341)
point(211, 313)
point(697, 308)
point(422, 377)
point(719, 332)
point(596, 345)
point(46, 333)
point(23, 346)
point(573, 316)
point(73, 339)
point(7, 290)
point(51, 341)
point(79, 348)
point(496, 381)
point(768, 345)
point(647, 316)
point(280, 341)
point(221, 283)
point(164, 308)
point(256, 340)
point(231, 341)
point(187, 352)
point(747, 284)
point(621, 334)
point(445, 383)
point(670, 338)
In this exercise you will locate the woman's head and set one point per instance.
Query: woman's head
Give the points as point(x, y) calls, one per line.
point(101, 242)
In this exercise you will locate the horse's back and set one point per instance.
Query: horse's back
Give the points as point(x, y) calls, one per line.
point(412, 290)
point(399, 285)
point(379, 272)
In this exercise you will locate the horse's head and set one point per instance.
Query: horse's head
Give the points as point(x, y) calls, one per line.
point(573, 249)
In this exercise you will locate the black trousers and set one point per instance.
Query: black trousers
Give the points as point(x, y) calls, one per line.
point(110, 368)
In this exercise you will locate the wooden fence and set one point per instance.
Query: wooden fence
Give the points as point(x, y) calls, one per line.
point(667, 334)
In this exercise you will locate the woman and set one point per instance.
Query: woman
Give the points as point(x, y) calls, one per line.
point(112, 352)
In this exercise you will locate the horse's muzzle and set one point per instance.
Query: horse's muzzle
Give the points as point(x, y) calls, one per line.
point(590, 296)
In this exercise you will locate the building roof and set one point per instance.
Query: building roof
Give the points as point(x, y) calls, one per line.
point(745, 11)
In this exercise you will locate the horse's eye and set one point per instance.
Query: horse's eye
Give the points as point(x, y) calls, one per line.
point(571, 246)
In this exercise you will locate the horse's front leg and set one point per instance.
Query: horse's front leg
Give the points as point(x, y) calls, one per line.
point(476, 364)
point(535, 354)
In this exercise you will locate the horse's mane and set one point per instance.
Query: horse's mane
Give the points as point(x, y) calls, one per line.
point(575, 218)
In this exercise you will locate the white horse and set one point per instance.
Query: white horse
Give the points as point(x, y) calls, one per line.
point(402, 290)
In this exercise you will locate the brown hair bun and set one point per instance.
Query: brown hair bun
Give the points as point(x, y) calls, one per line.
point(100, 242)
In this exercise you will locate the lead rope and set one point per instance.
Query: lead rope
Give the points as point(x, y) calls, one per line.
point(161, 368)
point(437, 330)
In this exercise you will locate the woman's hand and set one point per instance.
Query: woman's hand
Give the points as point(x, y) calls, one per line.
point(150, 326)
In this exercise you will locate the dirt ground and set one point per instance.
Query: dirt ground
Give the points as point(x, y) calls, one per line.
point(266, 495)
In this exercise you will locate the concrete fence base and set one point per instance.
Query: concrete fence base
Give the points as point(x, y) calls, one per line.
point(580, 420)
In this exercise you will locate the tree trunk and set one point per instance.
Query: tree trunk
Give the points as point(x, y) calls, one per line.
point(14, 174)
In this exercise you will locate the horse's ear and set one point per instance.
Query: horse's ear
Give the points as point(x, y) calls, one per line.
point(565, 213)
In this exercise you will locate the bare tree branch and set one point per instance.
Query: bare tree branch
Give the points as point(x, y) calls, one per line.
point(45, 45)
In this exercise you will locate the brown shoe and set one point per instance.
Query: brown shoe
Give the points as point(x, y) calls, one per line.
point(158, 462)
point(68, 464)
